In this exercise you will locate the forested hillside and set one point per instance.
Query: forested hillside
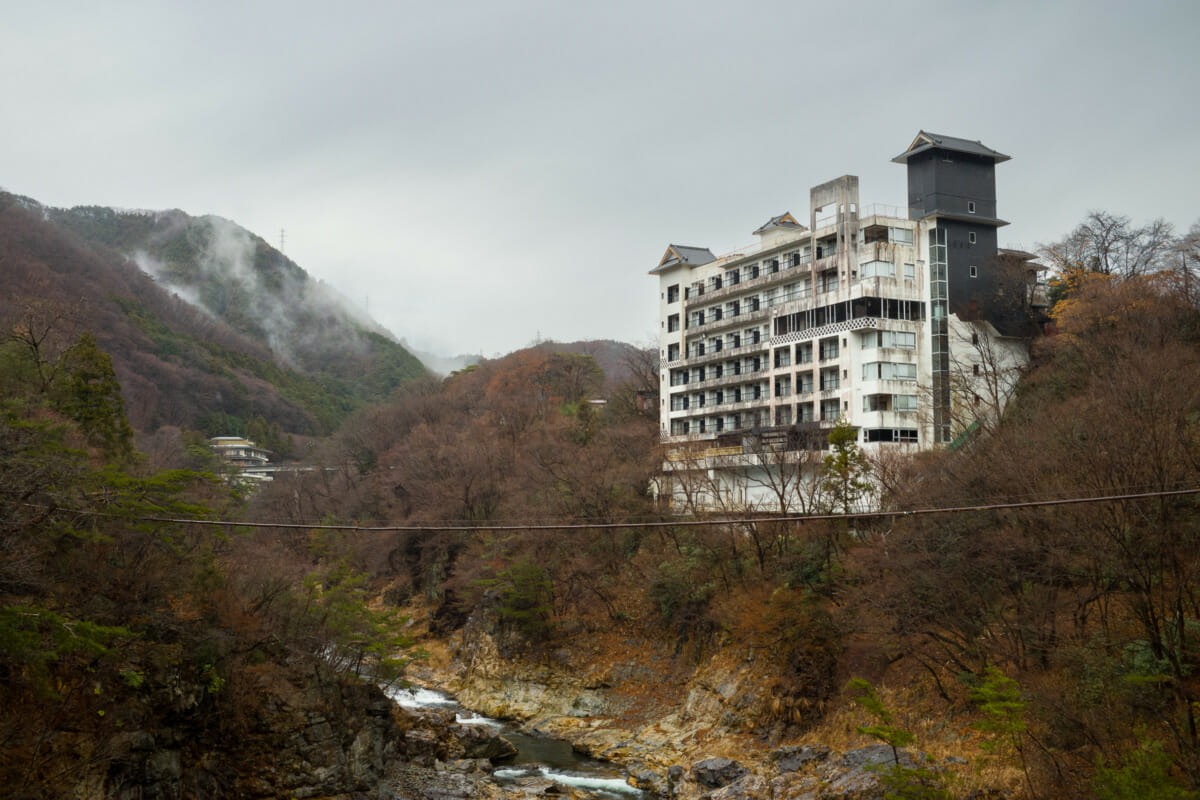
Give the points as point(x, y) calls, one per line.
point(260, 341)
point(1062, 639)
point(147, 658)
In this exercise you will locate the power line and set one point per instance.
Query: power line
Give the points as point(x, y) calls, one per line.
point(648, 524)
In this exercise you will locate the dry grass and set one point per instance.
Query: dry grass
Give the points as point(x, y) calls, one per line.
point(940, 732)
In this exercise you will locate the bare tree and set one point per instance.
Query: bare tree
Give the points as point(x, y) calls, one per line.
point(787, 469)
point(44, 331)
point(1110, 244)
point(985, 369)
point(1185, 264)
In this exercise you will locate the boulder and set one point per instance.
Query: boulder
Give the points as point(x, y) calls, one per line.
point(648, 781)
point(747, 787)
point(878, 754)
point(713, 773)
point(479, 741)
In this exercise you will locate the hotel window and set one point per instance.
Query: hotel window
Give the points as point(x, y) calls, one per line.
point(673, 294)
point(673, 322)
point(877, 269)
point(971, 237)
point(829, 348)
point(883, 370)
point(829, 379)
point(970, 206)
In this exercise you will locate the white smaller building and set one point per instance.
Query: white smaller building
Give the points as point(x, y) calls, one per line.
point(250, 460)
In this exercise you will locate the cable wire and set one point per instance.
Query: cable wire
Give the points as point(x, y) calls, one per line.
point(647, 524)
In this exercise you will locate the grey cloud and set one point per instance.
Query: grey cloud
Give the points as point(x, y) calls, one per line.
point(482, 171)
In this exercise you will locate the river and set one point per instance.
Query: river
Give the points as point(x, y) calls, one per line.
point(537, 755)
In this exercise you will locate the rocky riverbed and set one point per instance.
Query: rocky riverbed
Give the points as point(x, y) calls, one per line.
point(680, 733)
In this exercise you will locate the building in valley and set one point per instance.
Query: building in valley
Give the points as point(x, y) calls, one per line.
point(909, 322)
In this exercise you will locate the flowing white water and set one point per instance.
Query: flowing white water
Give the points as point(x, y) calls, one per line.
point(420, 697)
point(538, 756)
point(606, 785)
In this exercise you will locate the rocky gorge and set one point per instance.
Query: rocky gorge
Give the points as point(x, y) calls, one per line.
point(683, 727)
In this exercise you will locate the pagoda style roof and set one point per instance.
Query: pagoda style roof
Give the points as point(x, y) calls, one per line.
point(678, 254)
point(784, 220)
point(930, 141)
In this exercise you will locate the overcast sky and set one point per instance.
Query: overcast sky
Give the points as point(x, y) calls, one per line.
point(480, 174)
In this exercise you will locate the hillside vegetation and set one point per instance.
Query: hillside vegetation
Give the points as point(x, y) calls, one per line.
point(259, 339)
point(1063, 638)
point(142, 656)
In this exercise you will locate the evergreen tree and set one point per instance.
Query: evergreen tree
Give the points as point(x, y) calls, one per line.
point(91, 396)
point(846, 471)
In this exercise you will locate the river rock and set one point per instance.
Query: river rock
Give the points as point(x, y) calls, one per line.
point(541, 787)
point(714, 773)
point(648, 781)
point(471, 765)
point(408, 782)
point(423, 747)
point(747, 787)
point(478, 741)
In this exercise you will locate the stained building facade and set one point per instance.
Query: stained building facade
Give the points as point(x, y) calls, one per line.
point(908, 321)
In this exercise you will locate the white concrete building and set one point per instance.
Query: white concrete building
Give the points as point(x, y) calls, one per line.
point(250, 460)
point(907, 321)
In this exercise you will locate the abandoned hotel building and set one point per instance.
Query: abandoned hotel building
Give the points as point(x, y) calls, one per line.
point(908, 322)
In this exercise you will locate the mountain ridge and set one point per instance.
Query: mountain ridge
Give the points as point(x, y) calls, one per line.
point(212, 365)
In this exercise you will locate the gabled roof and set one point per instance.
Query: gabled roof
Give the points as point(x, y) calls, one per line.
point(688, 256)
point(784, 220)
point(928, 141)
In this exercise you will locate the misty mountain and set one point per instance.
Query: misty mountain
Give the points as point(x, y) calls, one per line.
point(240, 279)
point(208, 325)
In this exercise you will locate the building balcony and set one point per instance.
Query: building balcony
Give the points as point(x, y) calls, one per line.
point(888, 386)
point(764, 279)
point(724, 407)
point(725, 354)
point(887, 419)
point(732, 321)
point(868, 210)
point(726, 380)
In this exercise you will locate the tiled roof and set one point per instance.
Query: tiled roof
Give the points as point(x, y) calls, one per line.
point(681, 254)
point(784, 220)
point(928, 141)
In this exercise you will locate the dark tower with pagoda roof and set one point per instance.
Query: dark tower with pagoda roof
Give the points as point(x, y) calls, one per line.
point(954, 180)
